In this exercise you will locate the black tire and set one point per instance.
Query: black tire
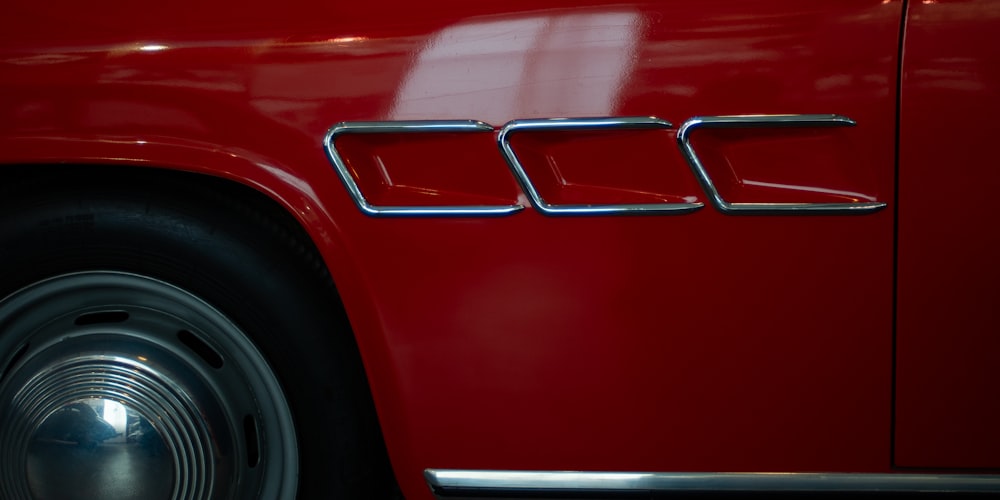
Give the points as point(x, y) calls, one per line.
point(81, 243)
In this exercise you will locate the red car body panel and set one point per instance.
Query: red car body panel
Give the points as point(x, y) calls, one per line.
point(948, 347)
point(696, 342)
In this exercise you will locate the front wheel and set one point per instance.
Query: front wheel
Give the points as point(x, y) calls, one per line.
point(115, 368)
point(157, 346)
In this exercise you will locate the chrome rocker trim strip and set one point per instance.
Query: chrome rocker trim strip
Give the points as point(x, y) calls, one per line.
point(495, 483)
point(558, 124)
point(758, 121)
point(406, 127)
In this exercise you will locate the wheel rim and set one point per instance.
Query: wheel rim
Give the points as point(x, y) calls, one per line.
point(123, 386)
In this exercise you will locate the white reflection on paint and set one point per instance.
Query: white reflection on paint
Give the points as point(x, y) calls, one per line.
point(548, 65)
point(153, 47)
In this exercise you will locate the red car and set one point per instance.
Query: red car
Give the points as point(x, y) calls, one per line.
point(528, 248)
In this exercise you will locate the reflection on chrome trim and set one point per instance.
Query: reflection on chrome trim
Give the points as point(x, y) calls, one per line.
point(491, 482)
point(759, 121)
point(450, 126)
point(559, 124)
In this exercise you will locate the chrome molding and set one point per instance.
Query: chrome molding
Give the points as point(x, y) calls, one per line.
point(343, 171)
point(559, 124)
point(472, 483)
point(759, 121)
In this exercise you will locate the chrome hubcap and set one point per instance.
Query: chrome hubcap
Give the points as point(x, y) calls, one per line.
point(117, 385)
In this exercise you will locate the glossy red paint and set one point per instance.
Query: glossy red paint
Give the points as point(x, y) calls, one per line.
point(700, 342)
point(948, 358)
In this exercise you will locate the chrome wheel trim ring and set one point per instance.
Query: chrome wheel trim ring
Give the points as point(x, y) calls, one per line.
point(164, 355)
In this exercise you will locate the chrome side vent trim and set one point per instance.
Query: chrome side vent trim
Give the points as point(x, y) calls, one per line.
point(763, 121)
point(388, 127)
point(564, 124)
point(683, 141)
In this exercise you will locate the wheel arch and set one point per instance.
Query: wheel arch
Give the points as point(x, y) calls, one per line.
point(288, 207)
point(281, 197)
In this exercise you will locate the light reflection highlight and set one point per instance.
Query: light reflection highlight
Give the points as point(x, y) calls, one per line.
point(851, 195)
point(522, 66)
point(347, 39)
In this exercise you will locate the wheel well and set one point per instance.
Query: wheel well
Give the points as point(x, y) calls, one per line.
point(254, 204)
point(244, 202)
